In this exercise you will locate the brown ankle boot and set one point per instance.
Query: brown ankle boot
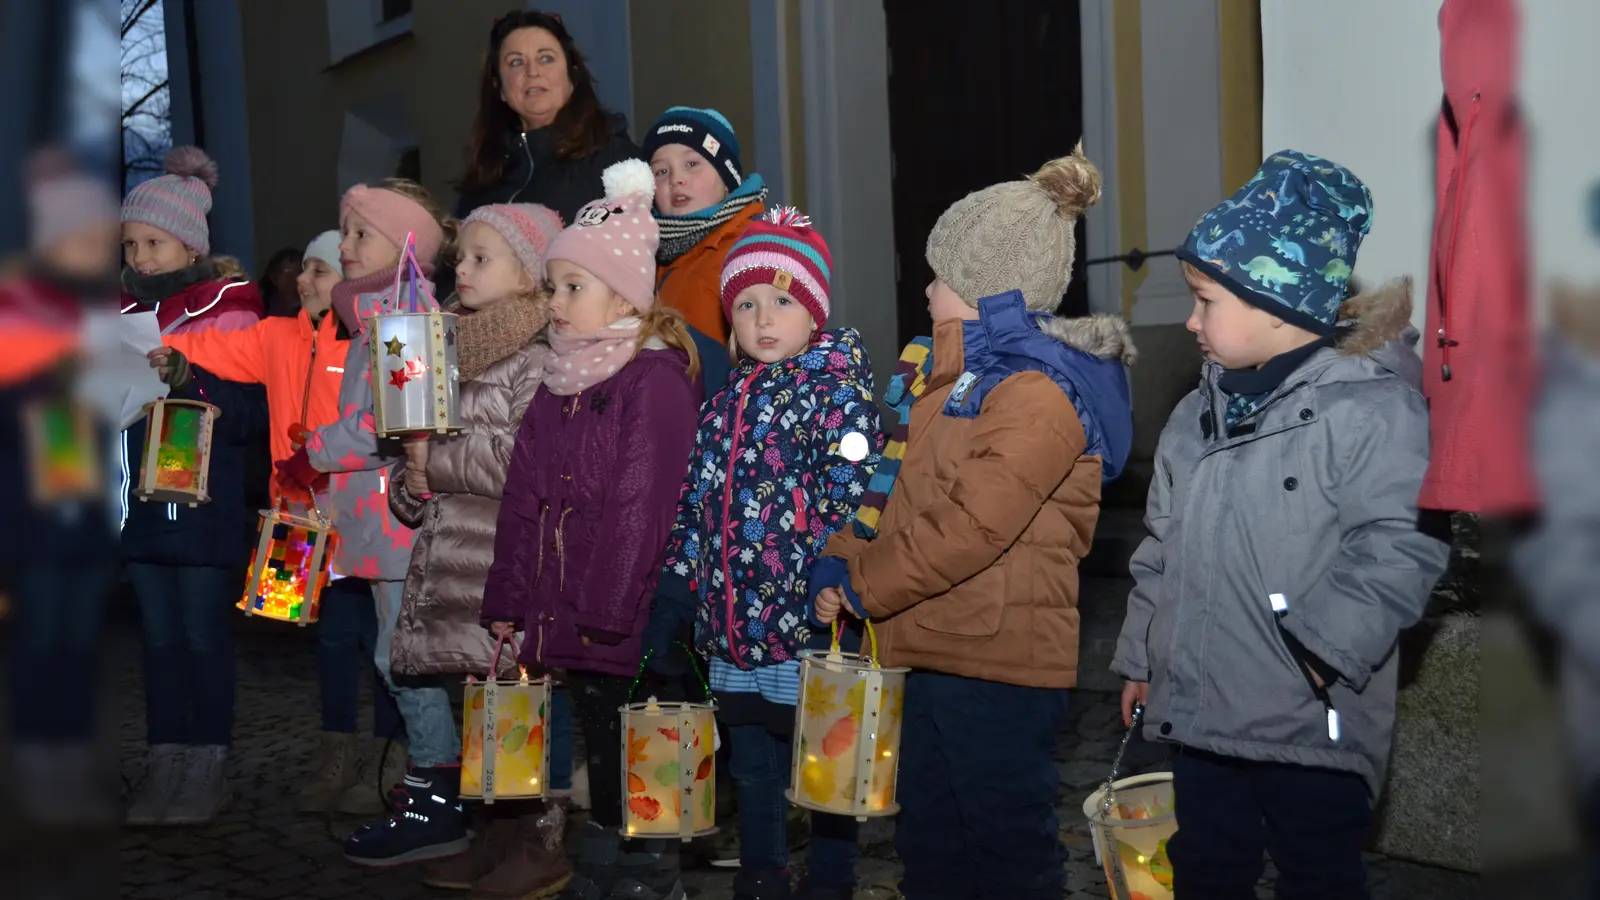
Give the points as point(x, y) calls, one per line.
point(535, 866)
point(491, 839)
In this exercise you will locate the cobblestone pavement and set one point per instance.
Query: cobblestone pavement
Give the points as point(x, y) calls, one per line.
point(260, 848)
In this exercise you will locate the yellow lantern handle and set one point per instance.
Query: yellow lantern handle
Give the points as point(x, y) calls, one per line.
point(872, 638)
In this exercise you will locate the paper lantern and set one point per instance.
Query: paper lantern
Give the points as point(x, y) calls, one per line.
point(847, 729)
point(1130, 839)
point(415, 376)
point(504, 754)
point(176, 463)
point(669, 779)
point(63, 456)
point(290, 567)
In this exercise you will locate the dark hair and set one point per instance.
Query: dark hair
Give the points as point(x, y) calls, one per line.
point(265, 282)
point(580, 128)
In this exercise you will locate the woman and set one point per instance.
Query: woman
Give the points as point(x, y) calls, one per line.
point(541, 135)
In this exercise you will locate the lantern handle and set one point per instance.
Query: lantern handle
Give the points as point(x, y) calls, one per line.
point(494, 664)
point(699, 675)
point(872, 639)
point(1111, 780)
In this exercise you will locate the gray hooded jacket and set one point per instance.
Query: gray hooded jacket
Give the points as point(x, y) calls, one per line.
point(1302, 531)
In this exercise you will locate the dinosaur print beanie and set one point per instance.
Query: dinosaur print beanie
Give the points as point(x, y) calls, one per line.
point(1286, 242)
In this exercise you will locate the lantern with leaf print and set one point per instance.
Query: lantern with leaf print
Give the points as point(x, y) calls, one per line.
point(504, 754)
point(847, 725)
point(670, 774)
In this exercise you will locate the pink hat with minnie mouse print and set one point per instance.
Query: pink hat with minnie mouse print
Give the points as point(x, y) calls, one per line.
point(615, 239)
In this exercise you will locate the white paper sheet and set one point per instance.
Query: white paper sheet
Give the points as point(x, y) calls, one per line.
point(118, 380)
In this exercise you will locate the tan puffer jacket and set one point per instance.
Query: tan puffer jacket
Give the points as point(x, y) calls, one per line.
point(439, 631)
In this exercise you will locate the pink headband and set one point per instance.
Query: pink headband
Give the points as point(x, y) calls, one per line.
point(394, 214)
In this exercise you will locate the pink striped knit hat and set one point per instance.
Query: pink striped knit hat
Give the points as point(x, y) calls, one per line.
point(781, 249)
point(178, 201)
point(527, 227)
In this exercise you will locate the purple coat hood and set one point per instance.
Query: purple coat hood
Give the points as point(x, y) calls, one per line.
point(589, 502)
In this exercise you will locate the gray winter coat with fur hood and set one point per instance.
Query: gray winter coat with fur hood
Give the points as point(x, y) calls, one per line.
point(1313, 514)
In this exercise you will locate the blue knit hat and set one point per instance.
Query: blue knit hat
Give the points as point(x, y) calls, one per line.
point(704, 131)
point(1286, 242)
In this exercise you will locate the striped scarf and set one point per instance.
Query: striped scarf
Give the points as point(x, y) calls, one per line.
point(910, 379)
point(680, 234)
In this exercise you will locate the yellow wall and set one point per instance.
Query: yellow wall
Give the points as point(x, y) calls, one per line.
point(1240, 36)
point(694, 53)
point(1129, 58)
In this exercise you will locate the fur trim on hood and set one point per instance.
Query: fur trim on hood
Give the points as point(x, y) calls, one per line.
point(1375, 317)
point(1101, 335)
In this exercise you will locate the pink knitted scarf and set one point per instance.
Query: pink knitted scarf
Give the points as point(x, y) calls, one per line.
point(581, 361)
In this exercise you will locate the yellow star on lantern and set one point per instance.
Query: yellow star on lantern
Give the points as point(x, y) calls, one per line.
point(395, 345)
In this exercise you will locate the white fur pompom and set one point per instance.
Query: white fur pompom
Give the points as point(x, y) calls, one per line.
point(631, 176)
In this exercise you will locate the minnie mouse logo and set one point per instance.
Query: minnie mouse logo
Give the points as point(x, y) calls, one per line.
point(592, 216)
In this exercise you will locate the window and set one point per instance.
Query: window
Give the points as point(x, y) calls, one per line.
point(355, 27)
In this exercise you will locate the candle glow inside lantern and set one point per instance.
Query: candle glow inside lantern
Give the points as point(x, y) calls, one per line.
point(63, 459)
point(176, 462)
point(1130, 839)
point(847, 728)
point(290, 567)
point(504, 754)
point(670, 774)
point(415, 370)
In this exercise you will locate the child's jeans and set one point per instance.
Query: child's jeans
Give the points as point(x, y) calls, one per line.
point(424, 704)
point(760, 768)
point(58, 620)
point(347, 637)
point(1314, 823)
point(977, 792)
point(189, 666)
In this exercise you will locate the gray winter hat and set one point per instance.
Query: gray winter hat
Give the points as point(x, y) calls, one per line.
point(1017, 235)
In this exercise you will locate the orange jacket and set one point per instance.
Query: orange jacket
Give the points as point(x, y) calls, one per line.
point(284, 354)
point(692, 285)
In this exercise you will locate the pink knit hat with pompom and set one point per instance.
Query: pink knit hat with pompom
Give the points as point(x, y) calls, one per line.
point(527, 227)
point(615, 239)
point(178, 201)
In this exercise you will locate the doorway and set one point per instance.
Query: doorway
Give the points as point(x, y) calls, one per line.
point(978, 94)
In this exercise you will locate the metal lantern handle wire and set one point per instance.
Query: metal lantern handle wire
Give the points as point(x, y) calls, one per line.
point(1116, 764)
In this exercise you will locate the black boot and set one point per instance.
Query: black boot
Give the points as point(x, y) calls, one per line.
point(426, 822)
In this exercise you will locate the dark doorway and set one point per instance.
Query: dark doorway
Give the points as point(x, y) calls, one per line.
point(978, 93)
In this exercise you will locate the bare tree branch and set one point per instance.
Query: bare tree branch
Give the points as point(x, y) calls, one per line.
point(133, 110)
point(132, 19)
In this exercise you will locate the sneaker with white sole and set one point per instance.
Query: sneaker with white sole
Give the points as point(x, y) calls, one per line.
point(427, 822)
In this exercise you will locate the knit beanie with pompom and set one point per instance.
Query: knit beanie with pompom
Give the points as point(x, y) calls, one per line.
point(527, 228)
point(63, 200)
point(1016, 236)
point(179, 201)
point(615, 239)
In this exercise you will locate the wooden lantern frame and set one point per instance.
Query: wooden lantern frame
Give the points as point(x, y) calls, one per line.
point(488, 791)
point(435, 365)
point(689, 719)
point(319, 567)
point(145, 488)
point(42, 487)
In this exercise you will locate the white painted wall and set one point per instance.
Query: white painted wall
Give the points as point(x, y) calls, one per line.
point(1365, 92)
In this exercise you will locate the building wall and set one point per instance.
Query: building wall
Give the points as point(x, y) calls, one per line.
point(694, 53)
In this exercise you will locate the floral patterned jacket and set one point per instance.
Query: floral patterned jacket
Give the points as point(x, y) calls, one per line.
point(780, 462)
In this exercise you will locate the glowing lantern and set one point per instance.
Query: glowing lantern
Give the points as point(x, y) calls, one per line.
point(670, 777)
point(415, 375)
point(847, 725)
point(176, 462)
point(63, 459)
point(290, 567)
point(504, 754)
point(1130, 838)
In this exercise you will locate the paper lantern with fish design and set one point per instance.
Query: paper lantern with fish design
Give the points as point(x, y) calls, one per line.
point(175, 466)
point(290, 567)
point(504, 754)
point(669, 780)
point(415, 374)
point(847, 725)
point(63, 456)
point(1130, 840)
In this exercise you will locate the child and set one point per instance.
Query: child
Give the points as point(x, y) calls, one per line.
point(184, 562)
point(974, 569)
point(300, 361)
point(1284, 556)
point(793, 436)
point(704, 203)
point(425, 821)
point(589, 499)
point(449, 487)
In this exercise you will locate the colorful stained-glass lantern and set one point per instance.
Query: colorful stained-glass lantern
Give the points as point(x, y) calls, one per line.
point(669, 778)
point(63, 456)
point(290, 568)
point(175, 466)
point(847, 733)
point(415, 374)
point(504, 726)
point(1130, 838)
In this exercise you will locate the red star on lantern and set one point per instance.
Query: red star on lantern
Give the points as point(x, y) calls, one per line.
point(398, 378)
point(416, 368)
